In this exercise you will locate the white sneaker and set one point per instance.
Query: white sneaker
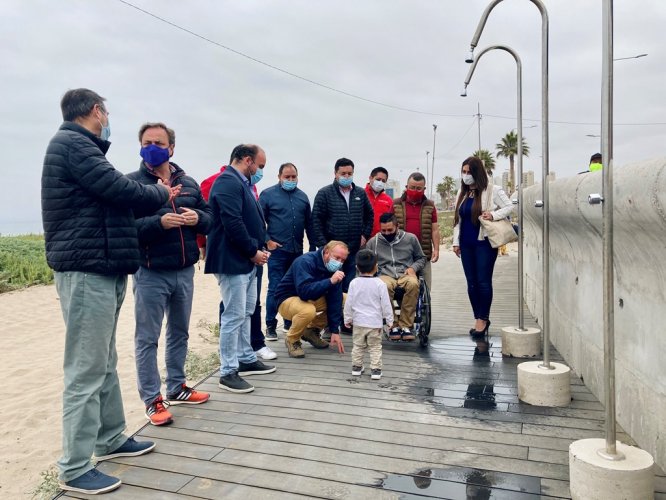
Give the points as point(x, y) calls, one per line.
point(266, 353)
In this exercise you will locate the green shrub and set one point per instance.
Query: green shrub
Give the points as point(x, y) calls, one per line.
point(23, 262)
point(48, 486)
point(445, 221)
point(198, 366)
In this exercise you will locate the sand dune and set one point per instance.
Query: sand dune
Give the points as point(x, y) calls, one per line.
point(32, 333)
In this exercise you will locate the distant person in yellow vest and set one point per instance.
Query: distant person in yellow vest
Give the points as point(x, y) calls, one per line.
point(595, 162)
point(417, 214)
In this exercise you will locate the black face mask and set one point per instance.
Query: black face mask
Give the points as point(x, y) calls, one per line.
point(389, 237)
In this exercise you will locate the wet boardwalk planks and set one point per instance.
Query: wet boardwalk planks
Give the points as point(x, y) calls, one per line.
point(442, 423)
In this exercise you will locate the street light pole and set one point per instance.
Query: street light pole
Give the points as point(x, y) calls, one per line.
point(432, 174)
point(427, 162)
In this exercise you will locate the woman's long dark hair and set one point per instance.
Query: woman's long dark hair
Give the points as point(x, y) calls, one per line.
point(480, 180)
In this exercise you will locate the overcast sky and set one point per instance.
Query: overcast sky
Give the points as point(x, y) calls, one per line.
point(407, 53)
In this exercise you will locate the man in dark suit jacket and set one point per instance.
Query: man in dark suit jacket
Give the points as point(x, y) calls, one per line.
point(234, 249)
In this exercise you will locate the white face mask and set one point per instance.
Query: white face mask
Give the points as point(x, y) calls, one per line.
point(468, 179)
point(378, 186)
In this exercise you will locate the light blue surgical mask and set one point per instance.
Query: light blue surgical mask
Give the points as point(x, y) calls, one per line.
point(346, 181)
point(106, 130)
point(333, 265)
point(257, 176)
point(289, 185)
point(468, 179)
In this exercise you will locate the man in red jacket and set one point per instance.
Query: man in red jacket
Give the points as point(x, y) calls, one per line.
point(380, 201)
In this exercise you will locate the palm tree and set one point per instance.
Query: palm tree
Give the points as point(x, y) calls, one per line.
point(445, 190)
point(488, 161)
point(508, 148)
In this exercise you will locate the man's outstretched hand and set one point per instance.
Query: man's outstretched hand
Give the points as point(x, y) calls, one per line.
point(336, 340)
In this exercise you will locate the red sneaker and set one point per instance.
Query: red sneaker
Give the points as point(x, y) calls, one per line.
point(157, 413)
point(187, 395)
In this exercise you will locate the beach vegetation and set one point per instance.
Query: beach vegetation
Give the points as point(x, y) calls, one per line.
point(23, 262)
point(198, 366)
point(48, 486)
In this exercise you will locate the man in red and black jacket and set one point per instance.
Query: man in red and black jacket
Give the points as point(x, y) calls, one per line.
point(165, 281)
point(380, 201)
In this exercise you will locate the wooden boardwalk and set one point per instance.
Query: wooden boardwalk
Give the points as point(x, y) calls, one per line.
point(441, 423)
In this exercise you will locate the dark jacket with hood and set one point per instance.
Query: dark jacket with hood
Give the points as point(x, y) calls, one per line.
point(174, 248)
point(332, 219)
point(308, 279)
point(87, 206)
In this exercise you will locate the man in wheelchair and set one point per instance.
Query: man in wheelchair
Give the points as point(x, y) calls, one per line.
point(400, 259)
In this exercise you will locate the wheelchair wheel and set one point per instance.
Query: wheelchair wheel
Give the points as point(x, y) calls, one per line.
point(424, 313)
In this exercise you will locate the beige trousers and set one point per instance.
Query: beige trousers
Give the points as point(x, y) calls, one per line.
point(304, 314)
point(367, 339)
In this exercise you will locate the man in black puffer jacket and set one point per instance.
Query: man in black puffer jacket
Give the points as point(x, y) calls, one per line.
point(91, 244)
point(165, 280)
point(342, 212)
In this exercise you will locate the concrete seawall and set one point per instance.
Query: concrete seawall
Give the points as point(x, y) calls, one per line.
point(576, 327)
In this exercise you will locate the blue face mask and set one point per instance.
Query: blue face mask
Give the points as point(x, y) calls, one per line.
point(154, 155)
point(346, 181)
point(106, 131)
point(333, 265)
point(257, 176)
point(289, 185)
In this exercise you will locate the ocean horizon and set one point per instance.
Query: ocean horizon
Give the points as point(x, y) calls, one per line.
point(15, 228)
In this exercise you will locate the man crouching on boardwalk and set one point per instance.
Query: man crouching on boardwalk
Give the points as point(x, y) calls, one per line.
point(92, 245)
point(310, 296)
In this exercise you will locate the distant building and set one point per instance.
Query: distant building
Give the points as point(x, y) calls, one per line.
point(394, 188)
point(505, 181)
point(528, 178)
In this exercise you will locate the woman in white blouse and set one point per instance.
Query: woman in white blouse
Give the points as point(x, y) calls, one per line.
point(469, 238)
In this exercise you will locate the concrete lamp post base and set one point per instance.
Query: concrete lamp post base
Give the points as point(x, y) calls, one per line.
point(517, 343)
point(593, 477)
point(541, 386)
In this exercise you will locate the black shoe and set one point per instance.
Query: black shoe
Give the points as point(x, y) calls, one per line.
point(395, 334)
point(271, 334)
point(407, 335)
point(345, 330)
point(256, 368)
point(233, 383)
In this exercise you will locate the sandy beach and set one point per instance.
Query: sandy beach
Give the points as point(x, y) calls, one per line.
point(32, 330)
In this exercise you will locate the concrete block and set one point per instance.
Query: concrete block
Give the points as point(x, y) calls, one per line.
point(518, 343)
point(544, 387)
point(593, 477)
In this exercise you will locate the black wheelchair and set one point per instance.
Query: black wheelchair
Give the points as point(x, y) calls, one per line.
point(422, 317)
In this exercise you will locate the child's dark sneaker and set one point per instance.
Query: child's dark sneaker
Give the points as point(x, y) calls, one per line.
point(376, 374)
point(357, 371)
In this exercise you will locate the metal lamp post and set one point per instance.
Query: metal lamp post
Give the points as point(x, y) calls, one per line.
point(544, 163)
point(432, 174)
point(519, 129)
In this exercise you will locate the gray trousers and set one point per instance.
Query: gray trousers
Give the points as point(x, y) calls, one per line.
point(92, 419)
point(156, 293)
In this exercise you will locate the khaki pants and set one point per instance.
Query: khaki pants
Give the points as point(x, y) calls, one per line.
point(408, 306)
point(302, 314)
point(367, 339)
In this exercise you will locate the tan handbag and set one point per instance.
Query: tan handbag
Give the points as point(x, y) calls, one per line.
point(499, 232)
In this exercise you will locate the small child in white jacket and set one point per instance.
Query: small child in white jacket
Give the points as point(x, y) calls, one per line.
point(366, 308)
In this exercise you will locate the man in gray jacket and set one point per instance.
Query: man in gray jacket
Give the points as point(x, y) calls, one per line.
point(399, 259)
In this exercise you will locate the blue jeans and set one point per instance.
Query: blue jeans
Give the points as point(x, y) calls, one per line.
point(478, 262)
point(92, 406)
point(278, 265)
point(257, 339)
point(239, 292)
point(157, 292)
